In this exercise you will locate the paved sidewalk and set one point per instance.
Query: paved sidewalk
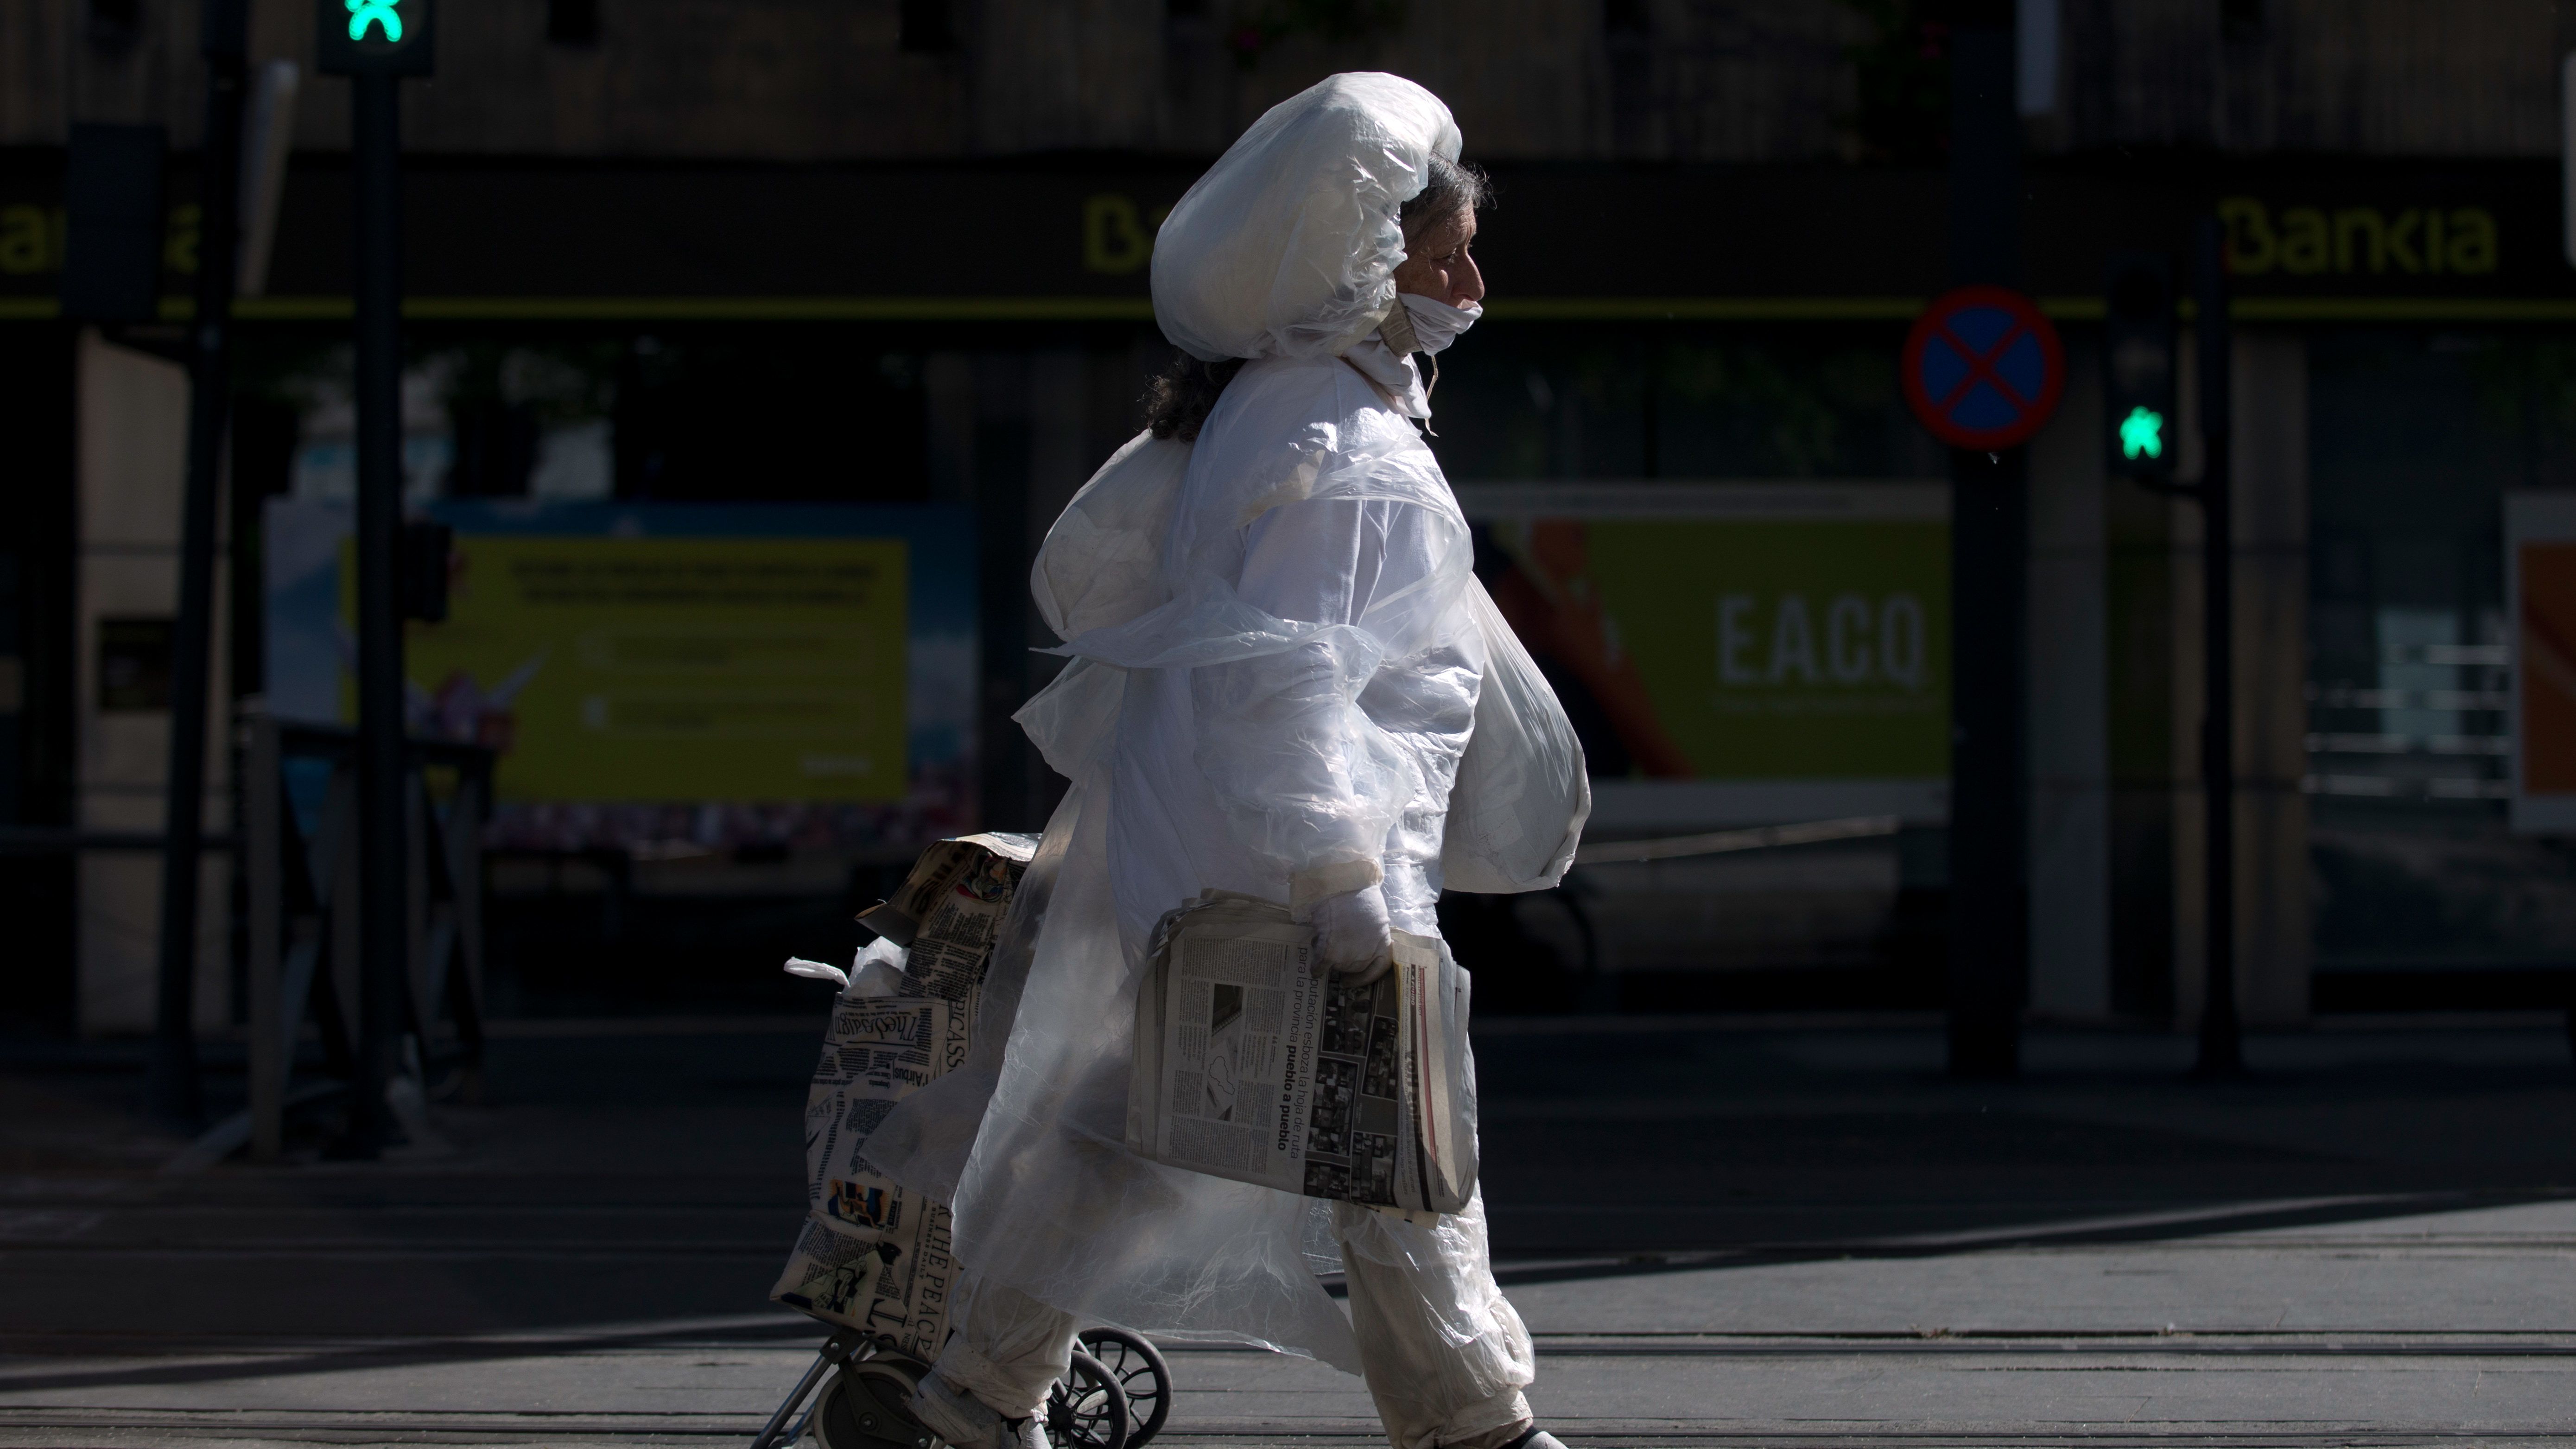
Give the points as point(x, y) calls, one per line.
point(1808, 1238)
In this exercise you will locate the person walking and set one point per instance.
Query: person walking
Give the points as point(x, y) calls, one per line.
point(1286, 682)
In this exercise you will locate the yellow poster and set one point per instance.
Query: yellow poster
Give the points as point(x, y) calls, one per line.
point(667, 669)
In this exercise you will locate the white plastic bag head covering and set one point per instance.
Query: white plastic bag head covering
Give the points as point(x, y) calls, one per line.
point(1288, 246)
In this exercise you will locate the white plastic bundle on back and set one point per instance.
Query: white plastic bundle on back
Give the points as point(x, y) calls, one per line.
point(1517, 807)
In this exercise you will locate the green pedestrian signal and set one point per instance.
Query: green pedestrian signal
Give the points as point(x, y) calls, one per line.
point(384, 15)
point(375, 37)
point(2138, 366)
point(2142, 434)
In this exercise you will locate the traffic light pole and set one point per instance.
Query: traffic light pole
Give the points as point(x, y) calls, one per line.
point(2138, 354)
point(1989, 529)
point(171, 1080)
point(382, 926)
point(2220, 1046)
point(1989, 870)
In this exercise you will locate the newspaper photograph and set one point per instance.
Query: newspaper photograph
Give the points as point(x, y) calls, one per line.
point(1240, 1006)
point(831, 1274)
point(1355, 1129)
point(950, 910)
point(894, 1281)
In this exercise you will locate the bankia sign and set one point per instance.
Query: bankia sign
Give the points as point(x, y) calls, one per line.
point(1072, 239)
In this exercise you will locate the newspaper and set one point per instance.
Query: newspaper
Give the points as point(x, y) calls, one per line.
point(872, 1256)
point(1254, 1063)
point(875, 1053)
point(950, 908)
point(880, 1261)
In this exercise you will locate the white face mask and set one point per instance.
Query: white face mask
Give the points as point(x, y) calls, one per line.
point(1437, 324)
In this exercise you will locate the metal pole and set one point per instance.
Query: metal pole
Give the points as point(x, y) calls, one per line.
point(1989, 881)
point(171, 1081)
point(2220, 1053)
point(1989, 894)
point(382, 903)
point(272, 1045)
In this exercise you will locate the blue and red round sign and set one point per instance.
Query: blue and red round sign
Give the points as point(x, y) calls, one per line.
point(1983, 368)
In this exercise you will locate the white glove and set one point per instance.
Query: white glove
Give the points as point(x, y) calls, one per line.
point(1351, 930)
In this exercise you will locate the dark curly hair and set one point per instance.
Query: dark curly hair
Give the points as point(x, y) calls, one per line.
point(1179, 399)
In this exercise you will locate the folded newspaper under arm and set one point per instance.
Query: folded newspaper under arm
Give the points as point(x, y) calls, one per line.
point(1253, 1062)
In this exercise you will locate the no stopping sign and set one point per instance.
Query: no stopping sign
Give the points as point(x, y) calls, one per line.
point(1983, 368)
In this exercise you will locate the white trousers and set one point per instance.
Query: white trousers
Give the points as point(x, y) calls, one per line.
point(1445, 1354)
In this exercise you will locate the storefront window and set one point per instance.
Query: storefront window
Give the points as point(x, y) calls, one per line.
point(1679, 400)
point(1731, 651)
point(2415, 439)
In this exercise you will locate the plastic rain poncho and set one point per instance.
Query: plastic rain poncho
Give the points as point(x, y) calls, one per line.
point(1285, 679)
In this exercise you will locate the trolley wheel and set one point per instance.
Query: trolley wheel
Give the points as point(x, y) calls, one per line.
point(867, 1405)
point(1141, 1374)
point(1086, 1409)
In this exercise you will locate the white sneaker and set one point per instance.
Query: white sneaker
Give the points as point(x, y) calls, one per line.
point(963, 1422)
point(954, 1414)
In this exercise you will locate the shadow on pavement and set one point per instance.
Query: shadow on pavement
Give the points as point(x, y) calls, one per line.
point(646, 1177)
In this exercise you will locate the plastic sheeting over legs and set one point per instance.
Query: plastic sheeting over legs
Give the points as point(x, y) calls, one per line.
point(1054, 1204)
point(1445, 1354)
point(1008, 1348)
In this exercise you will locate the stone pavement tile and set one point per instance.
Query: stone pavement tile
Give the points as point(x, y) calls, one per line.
point(181, 1437)
point(431, 1379)
point(2510, 1269)
point(1781, 1391)
point(2042, 1391)
point(1725, 1237)
point(2411, 1328)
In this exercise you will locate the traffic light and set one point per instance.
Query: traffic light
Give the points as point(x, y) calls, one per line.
point(2138, 365)
point(375, 37)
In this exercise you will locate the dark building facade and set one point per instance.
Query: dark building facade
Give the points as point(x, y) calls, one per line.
point(663, 251)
